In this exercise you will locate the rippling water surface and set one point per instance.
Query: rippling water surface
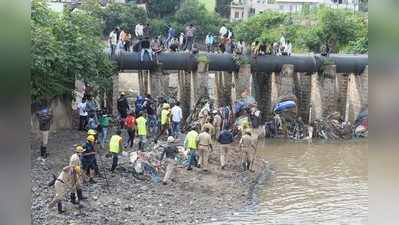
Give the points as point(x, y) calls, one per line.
point(311, 184)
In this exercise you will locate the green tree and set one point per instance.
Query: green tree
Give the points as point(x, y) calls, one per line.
point(125, 16)
point(163, 8)
point(263, 27)
point(223, 8)
point(66, 47)
point(192, 12)
point(342, 30)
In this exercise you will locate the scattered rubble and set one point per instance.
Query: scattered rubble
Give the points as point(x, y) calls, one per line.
point(193, 198)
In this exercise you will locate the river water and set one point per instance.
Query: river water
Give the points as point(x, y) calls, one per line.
point(311, 184)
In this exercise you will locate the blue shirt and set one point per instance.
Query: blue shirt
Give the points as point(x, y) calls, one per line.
point(225, 137)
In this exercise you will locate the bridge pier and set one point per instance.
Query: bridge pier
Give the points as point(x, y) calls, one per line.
point(282, 83)
point(219, 87)
point(357, 94)
point(324, 95)
point(115, 94)
point(242, 82)
point(302, 92)
point(262, 83)
point(227, 84)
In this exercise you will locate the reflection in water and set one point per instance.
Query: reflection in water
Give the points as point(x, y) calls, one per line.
point(311, 184)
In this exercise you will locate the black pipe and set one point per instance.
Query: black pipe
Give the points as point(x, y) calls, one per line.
point(222, 62)
point(272, 63)
point(225, 62)
point(350, 63)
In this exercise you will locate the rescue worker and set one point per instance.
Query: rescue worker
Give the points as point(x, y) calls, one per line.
point(211, 128)
point(130, 124)
point(75, 158)
point(217, 123)
point(68, 180)
point(115, 148)
point(170, 154)
point(89, 158)
point(75, 161)
point(123, 105)
point(243, 123)
point(94, 134)
point(191, 143)
point(225, 139)
point(204, 147)
point(248, 150)
point(45, 118)
point(165, 120)
point(141, 130)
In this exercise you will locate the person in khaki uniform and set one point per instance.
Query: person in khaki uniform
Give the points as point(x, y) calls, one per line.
point(170, 154)
point(75, 161)
point(204, 145)
point(68, 180)
point(248, 149)
point(210, 127)
point(217, 122)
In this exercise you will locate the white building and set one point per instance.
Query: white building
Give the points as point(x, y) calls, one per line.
point(289, 6)
point(242, 9)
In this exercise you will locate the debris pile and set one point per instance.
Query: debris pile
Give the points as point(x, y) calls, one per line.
point(201, 108)
point(332, 127)
point(361, 125)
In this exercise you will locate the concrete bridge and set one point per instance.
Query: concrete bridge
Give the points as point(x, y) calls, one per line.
point(324, 84)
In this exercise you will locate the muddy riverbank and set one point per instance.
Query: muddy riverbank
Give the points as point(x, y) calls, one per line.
point(193, 198)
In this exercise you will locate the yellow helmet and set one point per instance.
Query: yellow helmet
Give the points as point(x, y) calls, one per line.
point(91, 138)
point(166, 106)
point(79, 149)
point(91, 132)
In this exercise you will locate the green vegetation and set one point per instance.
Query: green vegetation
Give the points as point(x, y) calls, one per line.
point(210, 5)
point(66, 47)
point(163, 8)
point(223, 8)
point(343, 30)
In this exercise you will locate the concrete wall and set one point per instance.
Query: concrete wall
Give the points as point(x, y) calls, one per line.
point(61, 109)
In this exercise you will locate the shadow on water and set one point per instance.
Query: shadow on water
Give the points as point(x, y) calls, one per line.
point(319, 183)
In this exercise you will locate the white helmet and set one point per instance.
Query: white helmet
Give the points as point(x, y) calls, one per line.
point(171, 139)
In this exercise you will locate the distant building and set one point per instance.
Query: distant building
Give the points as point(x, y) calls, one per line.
point(59, 5)
point(242, 9)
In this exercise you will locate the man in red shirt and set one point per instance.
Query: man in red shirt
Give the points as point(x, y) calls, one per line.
point(130, 124)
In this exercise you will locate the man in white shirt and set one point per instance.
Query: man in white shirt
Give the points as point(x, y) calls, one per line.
point(139, 30)
point(288, 48)
point(223, 31)
point(82, 114)
point(113, 40)
point(177, 116)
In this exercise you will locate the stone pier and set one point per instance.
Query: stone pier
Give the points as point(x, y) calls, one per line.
point(115, 94)
point(282, 83)
point(357, 94)
point(241, 82)
point(324, 94)
point(219, 88)
point(262, 89)
point(302, 82)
